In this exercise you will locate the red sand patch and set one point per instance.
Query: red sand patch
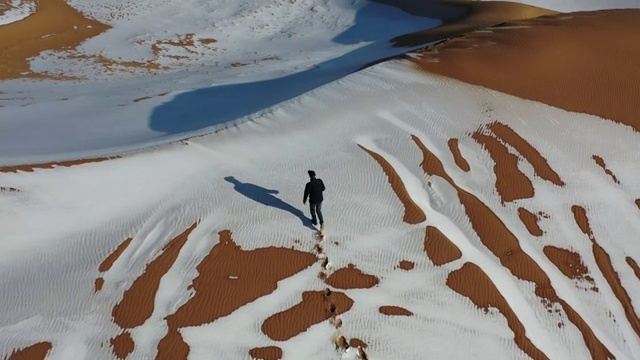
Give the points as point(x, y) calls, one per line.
point(530, 221)
point(122, 345)
point(406, 265)
point(228, 279)
point(313, 309)
point(99, 283)
point(634, 266)
point(355, 343)
point(412, 212)
point(266, 353)
point(511, 183)
point(439, 248)
point(518, 59)
point(394, 311)
point(51, 165)
point(137, 302)
point(472, 282)
point(603, 165)
point(351, 278)
point(569, 263)
point(34, 352)
point(638, 203)
point(457, 156)
point(502, 243)
point(109, 260)
point(538, 162)
point(580, 216)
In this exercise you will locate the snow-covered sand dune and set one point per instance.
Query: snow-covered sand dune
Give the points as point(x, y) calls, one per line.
point(461, 222)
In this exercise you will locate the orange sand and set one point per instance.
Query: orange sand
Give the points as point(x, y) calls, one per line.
point(606, 267)
point(313, 309)
point(569, 263)
point(351, 278)
point(634, 266)
point(138, 301)
point(108, 262)
point(51, 165)
point(50, 28)
point(406, 265)
point(394, 311)
point(439, 248)
point(266, 353)
point(603, 165)
point(122, 345)
point(354, 342)
point(457, 156)
point(37, 351)
point(412, 214)
point(511, 183)
point(581, 70)
point(229, 278)
point(472, 282)
point(503, 244)
point(530, 221)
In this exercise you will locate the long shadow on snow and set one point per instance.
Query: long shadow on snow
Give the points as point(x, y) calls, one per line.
point(266, 197)
point(215, 106)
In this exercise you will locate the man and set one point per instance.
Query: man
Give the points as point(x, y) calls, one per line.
point(313, 191)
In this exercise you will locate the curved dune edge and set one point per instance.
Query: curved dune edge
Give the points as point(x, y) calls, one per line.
point(439, 248)
point(37, 351)
point(314, 308)
point(108, 262)
point(472, 282)
point(457, 155)
point(351, 278)
point(266, 353)
point(603, 260)
point(50, 28)
point(412, 214)
point(634, 266)
point(122, 345)
point(600, 161)
point(460, 17)
point(530, 221)
point(494, 234)
point(394, 311)
point(567, 73)
point(52, 165)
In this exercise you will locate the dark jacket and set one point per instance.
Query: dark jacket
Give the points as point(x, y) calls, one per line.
point(313, 191)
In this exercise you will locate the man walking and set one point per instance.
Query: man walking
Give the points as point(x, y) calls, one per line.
point(313, 191)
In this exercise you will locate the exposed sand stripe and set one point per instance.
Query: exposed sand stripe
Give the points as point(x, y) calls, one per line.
point(638, 203)
point(229, 278)
point(51, 165)
point(439, 248)
point(394, 311)
point(634, 266)
point(351, 278)
point(540, 165)
point(406, 265)
point(511, 183)
point(122, 345)
point(266, 353)
point(37, 351)
point(567, 73)
point(530, 221)
point(569, 263)
point(355, 342)
point(603, 165)
point(472, 282)
point(313, 309)
point(138, 301)
point(412, 214)
point(457, 156)
point(503, 244)
point(580, 216)
point(54, 26)
point(109, 260)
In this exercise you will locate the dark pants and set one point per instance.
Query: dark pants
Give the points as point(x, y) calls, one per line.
point(316, 209)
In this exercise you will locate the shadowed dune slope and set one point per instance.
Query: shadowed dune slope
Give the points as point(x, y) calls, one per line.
point(589, 67)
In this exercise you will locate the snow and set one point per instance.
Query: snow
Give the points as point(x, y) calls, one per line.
point(58, 228)
point(15, 10)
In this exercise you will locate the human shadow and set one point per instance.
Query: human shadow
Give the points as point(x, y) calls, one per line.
point(266, 197)
point(216, 107)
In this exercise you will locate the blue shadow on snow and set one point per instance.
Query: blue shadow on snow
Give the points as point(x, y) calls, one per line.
point(218, 105)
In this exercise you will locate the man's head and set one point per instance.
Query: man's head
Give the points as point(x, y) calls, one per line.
point(312, 174)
